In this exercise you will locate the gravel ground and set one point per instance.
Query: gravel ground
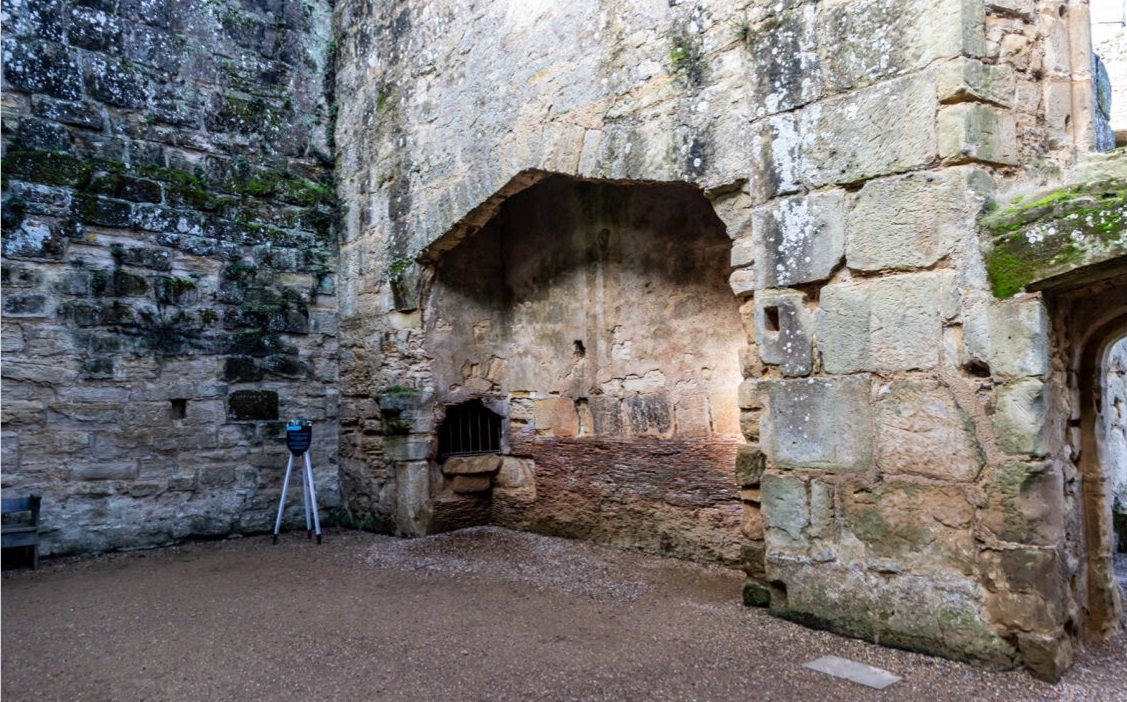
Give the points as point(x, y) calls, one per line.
point(481, 614)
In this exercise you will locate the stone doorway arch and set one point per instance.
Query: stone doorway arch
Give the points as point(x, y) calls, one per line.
point(1089, 315)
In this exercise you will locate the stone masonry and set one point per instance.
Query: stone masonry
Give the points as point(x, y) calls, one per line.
point(901, 468)
point(820, 289)
point(168, 264)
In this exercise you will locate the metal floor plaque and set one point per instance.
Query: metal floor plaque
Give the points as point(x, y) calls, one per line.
point(852, 670)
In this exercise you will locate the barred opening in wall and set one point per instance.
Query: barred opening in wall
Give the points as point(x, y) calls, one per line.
point(469, 429)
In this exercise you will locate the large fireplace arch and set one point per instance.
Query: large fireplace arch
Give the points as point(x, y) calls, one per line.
point(597, 319)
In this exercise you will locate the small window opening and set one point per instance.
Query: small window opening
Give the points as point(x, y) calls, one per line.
point(179, 408)
point(771, 316)
point(469, 429)
point(580, 349)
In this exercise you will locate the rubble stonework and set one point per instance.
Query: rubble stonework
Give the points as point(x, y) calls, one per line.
point(814, 289)
point(168, 258)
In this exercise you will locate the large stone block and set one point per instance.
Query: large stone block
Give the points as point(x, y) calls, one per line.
point(785, 513)
point(964, 79)
point(1010, 336)
point(516, 481)
point(799, 239)
point(1026, 589)
point(865, 41)
point(102, 470)
point(921, 430)
point(783, 61)
point(975, 132)
point(886, 128)
point(912, 221)
point(413, 506)
point(1019, 417)
point(915, 528)
point(818, 423)
point(784, 331)
point(914, 612)
point(406, 447)
point(1025, 504)
point(471, 465)
point(884, 325)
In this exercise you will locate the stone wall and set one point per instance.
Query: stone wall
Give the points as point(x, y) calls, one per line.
point(893, 410)
point(823, 370)
point(168, 263)
point(1109, 41)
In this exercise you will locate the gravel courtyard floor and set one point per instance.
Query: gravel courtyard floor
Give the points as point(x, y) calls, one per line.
point(482, 614)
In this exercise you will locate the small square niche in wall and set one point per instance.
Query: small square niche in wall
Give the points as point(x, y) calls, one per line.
point(179, 408)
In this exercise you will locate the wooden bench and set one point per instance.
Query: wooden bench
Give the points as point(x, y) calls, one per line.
point(20, 533)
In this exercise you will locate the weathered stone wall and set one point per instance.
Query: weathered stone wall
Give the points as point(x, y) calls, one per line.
point(168, 263)
point(1109, 41)
point(894, 408)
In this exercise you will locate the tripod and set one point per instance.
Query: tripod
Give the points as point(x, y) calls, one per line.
point(299, 434)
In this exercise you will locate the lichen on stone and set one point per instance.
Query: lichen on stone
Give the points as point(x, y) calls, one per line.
point(1053, 234)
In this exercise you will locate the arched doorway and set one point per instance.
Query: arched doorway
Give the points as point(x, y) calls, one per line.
point(1090, 321)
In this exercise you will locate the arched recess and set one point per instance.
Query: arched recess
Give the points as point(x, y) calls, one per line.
point(597, 319)
point(1089, 317)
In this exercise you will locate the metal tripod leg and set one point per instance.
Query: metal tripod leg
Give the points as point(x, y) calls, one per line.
point(312, 498)
point(305, 497)
point(282, 502)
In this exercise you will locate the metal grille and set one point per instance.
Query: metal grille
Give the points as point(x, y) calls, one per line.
point(469, 429)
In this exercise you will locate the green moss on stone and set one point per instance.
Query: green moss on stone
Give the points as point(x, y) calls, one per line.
point(686, 57)
point(47, 167)
point(1053, 234)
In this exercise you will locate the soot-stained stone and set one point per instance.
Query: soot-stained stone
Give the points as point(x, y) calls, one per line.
point(285, 365)
point(14, 275)
point(98, 367)
point(79, 114)
point(649, 414)
point(32, 305)
point(241, 369)
point(126, 187)
point(94, 209)
point(155, 259)
point(126, 284)
point(252, 404)
point(41, 135)
point(82, 314)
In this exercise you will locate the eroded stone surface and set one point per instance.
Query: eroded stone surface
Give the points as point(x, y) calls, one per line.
point(798, 240)
point(887, 324)
point(1019, 418)
point(912, 221)
point(921, 430)
point(1011, 337)
point(818, 423)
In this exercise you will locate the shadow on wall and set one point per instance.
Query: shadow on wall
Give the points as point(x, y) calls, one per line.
point(598, 319)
